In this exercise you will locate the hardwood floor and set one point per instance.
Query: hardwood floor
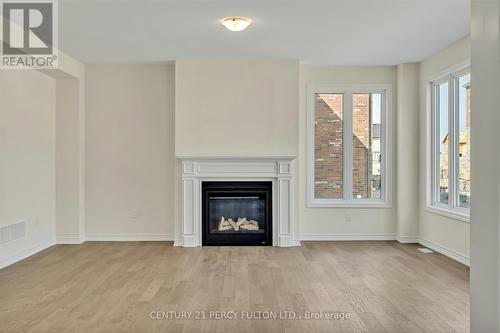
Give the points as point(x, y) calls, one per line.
point(115, 287)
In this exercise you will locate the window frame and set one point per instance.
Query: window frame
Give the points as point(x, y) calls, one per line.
point(347, 90)
point(452, 209)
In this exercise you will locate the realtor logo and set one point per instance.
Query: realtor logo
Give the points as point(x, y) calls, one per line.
point(29, 34)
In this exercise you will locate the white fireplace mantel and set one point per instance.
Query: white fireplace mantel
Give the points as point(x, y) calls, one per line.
point(196, 169)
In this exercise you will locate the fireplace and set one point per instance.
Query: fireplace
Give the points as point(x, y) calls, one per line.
point(258, 180)
point(237, 213)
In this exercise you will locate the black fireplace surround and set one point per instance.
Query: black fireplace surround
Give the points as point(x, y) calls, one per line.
point(236, 213)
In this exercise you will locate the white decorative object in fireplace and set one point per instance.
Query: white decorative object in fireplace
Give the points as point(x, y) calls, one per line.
point(196, 169)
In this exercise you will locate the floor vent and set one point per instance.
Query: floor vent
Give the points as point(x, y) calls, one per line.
point(12, 232)
point(425, 250)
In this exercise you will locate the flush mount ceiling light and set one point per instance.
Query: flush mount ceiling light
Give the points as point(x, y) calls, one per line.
point(236, 23)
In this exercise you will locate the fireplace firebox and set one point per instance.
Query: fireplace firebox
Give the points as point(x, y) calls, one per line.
point(236, 213)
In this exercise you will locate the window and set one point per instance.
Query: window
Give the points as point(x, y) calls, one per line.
point(450, 110)
point(347, 145)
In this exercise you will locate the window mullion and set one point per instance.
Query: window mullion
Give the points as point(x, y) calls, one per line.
point(347, 141)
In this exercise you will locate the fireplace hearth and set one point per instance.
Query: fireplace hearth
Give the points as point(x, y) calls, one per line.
point(237, 213)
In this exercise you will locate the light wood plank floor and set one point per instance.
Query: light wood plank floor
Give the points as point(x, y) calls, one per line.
point(114, 287)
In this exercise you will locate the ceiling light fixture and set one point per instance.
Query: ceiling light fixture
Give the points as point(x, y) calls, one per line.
point(236, 23)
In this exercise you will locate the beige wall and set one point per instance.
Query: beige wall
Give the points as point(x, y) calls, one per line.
point(132, 134)
point(236, 107)
point(130, 151)
point(444, 231)
point(485, 167)
point(331, 222)
point(407, 152)
point(70, 149)
point(67, 160)
point(27, 154)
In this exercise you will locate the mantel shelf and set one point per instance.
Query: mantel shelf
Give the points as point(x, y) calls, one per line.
point(235, 157)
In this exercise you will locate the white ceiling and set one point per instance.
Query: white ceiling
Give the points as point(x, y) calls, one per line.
point(319, 32)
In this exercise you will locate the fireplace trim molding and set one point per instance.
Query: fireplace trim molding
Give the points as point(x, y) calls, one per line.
point(277, 169)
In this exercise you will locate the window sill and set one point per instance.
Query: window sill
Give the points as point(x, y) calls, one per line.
point(448, 213)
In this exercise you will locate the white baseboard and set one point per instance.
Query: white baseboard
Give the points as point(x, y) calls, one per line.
point(26, 253)
point(348, 237)
point(129, 237)
point(69, 240)
point(452, 254)
point(407, 239)
point(457, 256)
